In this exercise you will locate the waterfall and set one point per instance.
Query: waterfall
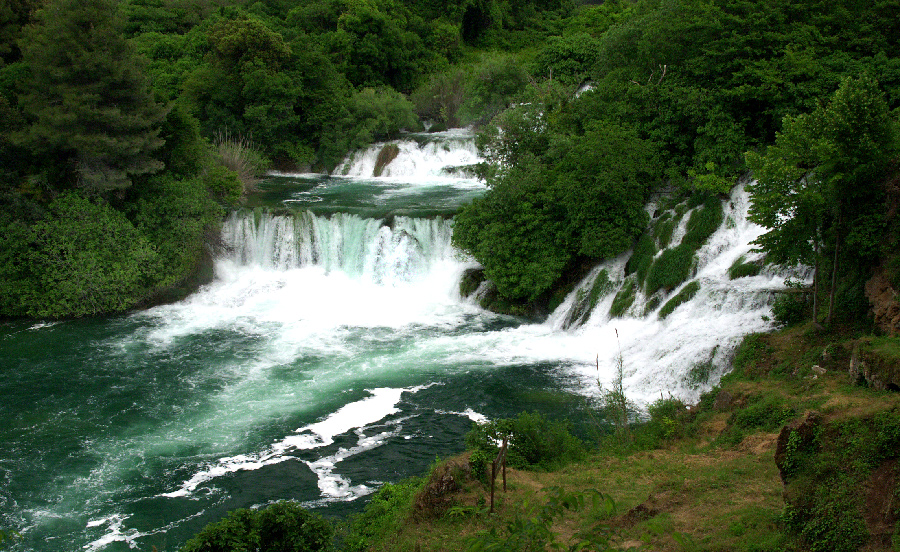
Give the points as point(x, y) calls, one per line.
point(358, 247)
point(684, 352)
point(419, 157)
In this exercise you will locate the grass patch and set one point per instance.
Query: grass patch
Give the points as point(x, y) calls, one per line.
point(686, 294)
point(671, 268)
point(663, 230)
point(623, 299)
point(742, 269)
point(641, 258)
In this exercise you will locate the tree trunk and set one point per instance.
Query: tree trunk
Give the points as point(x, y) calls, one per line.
point(834, 270)
point(815, 313)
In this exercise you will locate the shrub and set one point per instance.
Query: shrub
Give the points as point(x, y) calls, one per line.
point(237, 153)
point(762, 413)
point(742, 269)
point(623, 300)
point(87, 259)
point(282, 527)
point(534, 442)
point(383, 515)
point(790, 308)
point(686, 294)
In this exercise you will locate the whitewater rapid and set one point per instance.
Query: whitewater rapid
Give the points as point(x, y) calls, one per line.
point(332, 352)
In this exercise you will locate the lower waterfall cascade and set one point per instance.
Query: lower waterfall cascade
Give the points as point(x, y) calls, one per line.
point(331, 353)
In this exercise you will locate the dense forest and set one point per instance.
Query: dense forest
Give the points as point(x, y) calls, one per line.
point(127, 129)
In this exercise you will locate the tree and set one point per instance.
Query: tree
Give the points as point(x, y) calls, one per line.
point(819, 186)
point(87, 95)
point(282, 527)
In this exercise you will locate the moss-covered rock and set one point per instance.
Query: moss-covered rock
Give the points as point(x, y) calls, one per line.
point(876, 362)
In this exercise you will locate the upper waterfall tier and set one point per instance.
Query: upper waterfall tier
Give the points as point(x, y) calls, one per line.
point(419, 156)
point(358, 247)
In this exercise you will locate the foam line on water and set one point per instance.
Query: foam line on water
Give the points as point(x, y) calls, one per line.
point(381, 403)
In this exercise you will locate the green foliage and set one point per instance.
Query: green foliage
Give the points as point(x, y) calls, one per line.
point(7, 537)
point(762, 413)
point(86, 258)
point(749, 355)
point(641, 258)
point(281, 527)
point(740, 268)
point(828, 470)
point(790, 308)
point(623, 299)
point(667, 422)
point(555, 197)
point(532, 529)
point(569, 58)
point(815, 190)
point(534, 442)
point(377, 115)
point(672, 267)
point(88, 97)
point(704, 222)
point(664, 228)
point(495, 82)
point(240, 156)
point(383, 516)
point(176, 217)
point(686, 294)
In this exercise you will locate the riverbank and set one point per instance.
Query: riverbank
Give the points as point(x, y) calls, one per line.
point(748, 468)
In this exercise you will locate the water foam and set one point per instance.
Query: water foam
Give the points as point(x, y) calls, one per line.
point(381, 403)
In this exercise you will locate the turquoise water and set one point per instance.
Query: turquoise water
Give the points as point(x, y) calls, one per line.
point(330, 354)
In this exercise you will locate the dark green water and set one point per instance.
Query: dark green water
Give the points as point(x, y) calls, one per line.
point(331, 353)
point(314, 380)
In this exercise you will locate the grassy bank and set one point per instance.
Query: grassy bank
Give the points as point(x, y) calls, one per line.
point(697, 478)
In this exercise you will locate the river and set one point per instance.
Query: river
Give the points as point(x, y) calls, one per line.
point(331, 353)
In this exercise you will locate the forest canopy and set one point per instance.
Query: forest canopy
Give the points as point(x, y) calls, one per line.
point(124, 109)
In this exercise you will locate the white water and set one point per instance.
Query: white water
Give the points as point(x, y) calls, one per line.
point(312, 284)
point(417, 161)
point(313, 365)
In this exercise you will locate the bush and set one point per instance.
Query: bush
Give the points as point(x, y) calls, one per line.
point(762, 413)
point(686, 294)
point(790, 308)
point(742, 269)
point(534, 442)
point(87, 259)
point(383, 515)
point(282, 527)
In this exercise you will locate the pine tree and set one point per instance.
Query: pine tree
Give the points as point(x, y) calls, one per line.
point(88, 96)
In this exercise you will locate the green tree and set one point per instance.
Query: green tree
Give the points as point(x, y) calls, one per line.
point(87, 95)
point(282, 527)
point(85, 258)
point(820, 186)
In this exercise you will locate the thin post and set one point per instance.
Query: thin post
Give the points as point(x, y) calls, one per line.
point(504, 464)
point(493, 476)
point(499, 461)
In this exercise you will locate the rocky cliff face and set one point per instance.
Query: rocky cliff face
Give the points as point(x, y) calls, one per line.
point(885, 304)
point(842, 481)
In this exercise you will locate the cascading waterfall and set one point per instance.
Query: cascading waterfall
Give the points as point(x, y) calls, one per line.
point(358, 247)
point(442, 155)
point(685, 352)
point(331, 353)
